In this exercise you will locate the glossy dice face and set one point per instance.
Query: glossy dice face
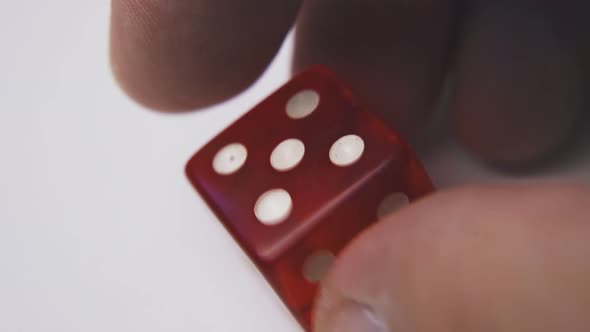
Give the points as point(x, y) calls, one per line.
point(298, 176)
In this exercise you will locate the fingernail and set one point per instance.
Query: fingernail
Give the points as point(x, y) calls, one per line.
point(357, 318)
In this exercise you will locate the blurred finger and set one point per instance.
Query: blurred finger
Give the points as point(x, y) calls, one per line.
point(519, 80)
point(179, 55)
point(393, 53)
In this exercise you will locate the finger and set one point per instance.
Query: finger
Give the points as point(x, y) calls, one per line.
point(519, 81)
point(179, 55)
point(393, 53)
point(477, 259)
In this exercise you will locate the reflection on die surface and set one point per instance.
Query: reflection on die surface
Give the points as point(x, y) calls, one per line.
point(300, 175)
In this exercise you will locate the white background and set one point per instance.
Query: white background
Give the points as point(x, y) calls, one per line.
point(99, 229)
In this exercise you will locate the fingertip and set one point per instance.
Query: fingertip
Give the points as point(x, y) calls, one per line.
point(469, 259)
point(177, 92)
point(183, 55)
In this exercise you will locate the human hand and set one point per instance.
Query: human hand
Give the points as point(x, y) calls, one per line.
point(518, 91)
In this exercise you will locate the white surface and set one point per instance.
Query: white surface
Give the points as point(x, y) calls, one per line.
point(347, 150)
point(230, 158)
point(273, 207)
point(287, 155)
point(302, 104)
point(99, 229)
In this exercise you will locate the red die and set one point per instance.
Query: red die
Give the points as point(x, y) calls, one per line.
point(297, 177)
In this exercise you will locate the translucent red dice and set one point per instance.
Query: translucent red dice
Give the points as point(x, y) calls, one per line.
point(300, 175)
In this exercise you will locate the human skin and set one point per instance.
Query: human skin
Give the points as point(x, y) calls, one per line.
point(479, 258)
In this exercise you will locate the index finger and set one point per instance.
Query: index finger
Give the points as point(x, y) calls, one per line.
point(186, 54)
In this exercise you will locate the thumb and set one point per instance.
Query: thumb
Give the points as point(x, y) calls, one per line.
point(510, 258)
